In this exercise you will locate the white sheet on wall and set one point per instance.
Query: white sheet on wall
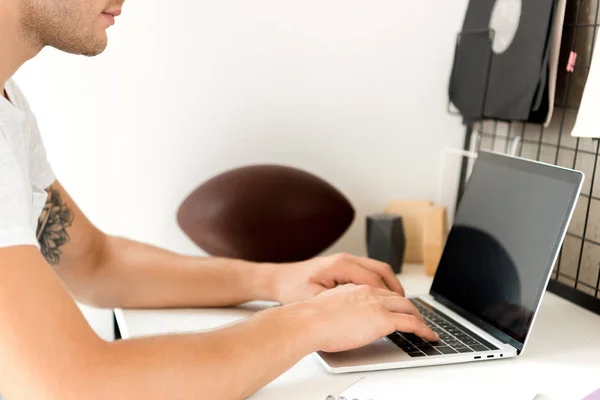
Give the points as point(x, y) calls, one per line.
point(588, 121)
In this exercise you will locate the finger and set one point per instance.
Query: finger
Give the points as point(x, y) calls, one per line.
point(400, 305)
point(411, 324)
point(383, 270)
point(316, 290)
point(352, 273)
point(385, 293)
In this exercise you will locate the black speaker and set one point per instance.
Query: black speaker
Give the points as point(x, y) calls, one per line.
point(386, 240)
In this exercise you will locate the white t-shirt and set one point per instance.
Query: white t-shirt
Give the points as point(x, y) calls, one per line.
point(24, 170)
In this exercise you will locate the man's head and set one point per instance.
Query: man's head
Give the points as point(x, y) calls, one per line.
point(74, 26)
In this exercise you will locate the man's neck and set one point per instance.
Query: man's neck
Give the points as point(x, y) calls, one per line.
point(15, 48)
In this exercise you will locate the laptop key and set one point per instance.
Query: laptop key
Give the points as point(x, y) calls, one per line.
point(399, 339)
point(446, 350)
point(479, 347)
point(422, 344)
point(463, 350)
point(415, 354)
point(405, 345)
point(412, 338)
point(439, 343)
point(408, 347)
point(446, 325)
point(430, 351)
point(402, 343)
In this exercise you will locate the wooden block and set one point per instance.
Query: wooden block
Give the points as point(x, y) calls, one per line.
point(435, 233)
point(414, 215)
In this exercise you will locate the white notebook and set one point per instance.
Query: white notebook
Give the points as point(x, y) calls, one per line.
point(588, 123)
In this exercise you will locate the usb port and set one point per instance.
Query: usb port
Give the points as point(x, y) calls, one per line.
point(477, 357)
point(491, 356)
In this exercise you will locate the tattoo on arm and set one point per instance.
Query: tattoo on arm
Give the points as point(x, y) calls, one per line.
point(52, 226)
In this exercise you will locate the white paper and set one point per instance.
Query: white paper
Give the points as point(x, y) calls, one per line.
point(588, 118)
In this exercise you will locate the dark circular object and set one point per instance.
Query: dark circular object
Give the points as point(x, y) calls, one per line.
point(265, 213)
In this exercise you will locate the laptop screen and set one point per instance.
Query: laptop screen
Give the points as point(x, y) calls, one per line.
point(504, 241)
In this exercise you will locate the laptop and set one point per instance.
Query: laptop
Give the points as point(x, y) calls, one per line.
point(498, 259)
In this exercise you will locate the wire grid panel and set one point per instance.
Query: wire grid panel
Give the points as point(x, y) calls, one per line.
point(578, 266)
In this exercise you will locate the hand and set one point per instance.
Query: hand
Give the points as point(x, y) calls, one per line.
point(351, 316)
point(304, 280)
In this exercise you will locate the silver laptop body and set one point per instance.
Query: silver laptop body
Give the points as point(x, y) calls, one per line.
point(499, 257)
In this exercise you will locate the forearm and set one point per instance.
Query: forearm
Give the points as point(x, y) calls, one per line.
point(224, 364)
point(135, 275)
point(50, 352)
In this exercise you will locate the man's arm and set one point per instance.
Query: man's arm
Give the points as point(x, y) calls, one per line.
point(109, 272)
point(49, 351)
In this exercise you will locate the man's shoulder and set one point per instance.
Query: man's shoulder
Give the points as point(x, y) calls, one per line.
point(16, 95)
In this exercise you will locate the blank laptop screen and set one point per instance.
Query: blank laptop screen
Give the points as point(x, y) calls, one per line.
point(505, 237)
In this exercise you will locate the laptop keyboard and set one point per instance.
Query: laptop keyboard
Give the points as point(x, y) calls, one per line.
point(454, 339)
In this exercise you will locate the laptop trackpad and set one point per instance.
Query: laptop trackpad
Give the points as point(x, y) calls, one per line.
point(381, 351)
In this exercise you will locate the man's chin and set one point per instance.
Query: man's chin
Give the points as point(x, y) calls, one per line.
point(92, 52)
point(90, 49)
point(97, 46)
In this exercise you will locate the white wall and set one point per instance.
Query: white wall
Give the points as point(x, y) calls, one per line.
point(353, 91)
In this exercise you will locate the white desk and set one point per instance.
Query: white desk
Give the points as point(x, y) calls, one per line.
point(562, 359)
